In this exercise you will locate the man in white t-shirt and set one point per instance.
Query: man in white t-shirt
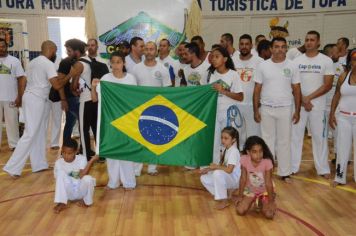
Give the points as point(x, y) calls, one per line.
point(12, 77)
point(165, 59)
point(316, 73)
point(41, 74)
point(137, 49)
point(342, 46)
point(258, 39)
point(331, 51)
point(276, 82)
point(246, 65)
point(203, 55)
point(182, 62)
point(150, 73)
point(227, 42)
point(196, 73)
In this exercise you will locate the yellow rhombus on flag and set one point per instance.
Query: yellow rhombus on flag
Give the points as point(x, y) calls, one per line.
point(186, 125)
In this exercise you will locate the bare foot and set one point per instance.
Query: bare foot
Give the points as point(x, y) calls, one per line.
point(81, 203)
point(334, 184)
point(59, 207)
point(326, 176)
point(222, 204)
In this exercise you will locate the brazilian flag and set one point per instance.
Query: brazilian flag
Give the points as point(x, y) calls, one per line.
point(169, 126)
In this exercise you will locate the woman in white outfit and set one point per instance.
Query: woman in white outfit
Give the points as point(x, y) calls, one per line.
point(118, 170)
point(345, 98)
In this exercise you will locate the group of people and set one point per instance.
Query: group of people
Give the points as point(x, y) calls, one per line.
point(268, 95)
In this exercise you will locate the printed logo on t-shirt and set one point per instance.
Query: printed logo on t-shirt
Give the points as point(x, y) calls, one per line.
point(74, 174)
point(194, 78)
point(166, 64)
point(256, 179)
point(287, 72)
point(246, 74)
point(310, 68)
point(4, 70)
point(158, 75)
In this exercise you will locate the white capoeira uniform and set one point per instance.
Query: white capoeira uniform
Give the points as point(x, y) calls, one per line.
point(55, 122)
point(10, 71)
point(69, 186)
point(155, 76)
point(339, 69)
point(172, 65)
point(276, 108)
point(217, 182)
point(118, 170)
point(346, 123)
point(312, 72)
point(230, 81)
point(35, 99)
point(247, 72)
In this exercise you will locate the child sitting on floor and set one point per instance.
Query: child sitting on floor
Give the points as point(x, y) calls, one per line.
point(72, 179)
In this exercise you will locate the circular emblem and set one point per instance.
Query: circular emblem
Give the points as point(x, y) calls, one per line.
point(158, 124)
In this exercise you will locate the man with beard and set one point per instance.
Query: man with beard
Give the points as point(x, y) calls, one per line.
point(246, 65)
point(41, 74)
point(12, 85)
point(227, 42)
point(150, 73)
point(197, 71)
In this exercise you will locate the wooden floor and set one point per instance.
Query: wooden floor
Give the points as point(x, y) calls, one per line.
point(173, 203)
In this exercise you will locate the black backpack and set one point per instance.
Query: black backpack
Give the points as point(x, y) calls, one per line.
point(98, 69)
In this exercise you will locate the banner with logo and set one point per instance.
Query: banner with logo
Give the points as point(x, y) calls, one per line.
point(151, 20)
point(170, 126)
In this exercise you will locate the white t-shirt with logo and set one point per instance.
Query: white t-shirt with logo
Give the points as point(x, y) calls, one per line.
point(247, 70)
point(39, 71)
point(10, 70)
point(277, 80)
point(312, 71)
point(197, 75)
point(73, 168)
point(170, 62)
point(155, 76)
point(230, 81)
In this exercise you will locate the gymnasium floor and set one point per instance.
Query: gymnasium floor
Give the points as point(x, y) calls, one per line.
point(172, 203)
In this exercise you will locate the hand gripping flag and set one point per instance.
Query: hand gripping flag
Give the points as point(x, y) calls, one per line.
point(170, 126)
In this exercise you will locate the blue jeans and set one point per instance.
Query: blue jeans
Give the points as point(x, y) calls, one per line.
point(72, 115)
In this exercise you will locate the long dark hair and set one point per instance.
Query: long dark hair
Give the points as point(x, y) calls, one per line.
point(233, 134)
point(255, 140)
point(348, 59)
point(121, 55)
point(229, 64)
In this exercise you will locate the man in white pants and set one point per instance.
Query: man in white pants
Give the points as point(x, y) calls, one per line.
point(150, 73)
point(41, 74)
point(276, 82)
point(246, 65)
point(316, 73)
point(12, 77)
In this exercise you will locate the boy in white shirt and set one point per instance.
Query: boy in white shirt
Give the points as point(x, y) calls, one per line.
point(72, 179)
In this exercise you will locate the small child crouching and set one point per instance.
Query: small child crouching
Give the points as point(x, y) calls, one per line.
point(72, 179)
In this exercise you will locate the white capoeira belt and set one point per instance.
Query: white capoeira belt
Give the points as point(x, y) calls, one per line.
point(348, 113)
